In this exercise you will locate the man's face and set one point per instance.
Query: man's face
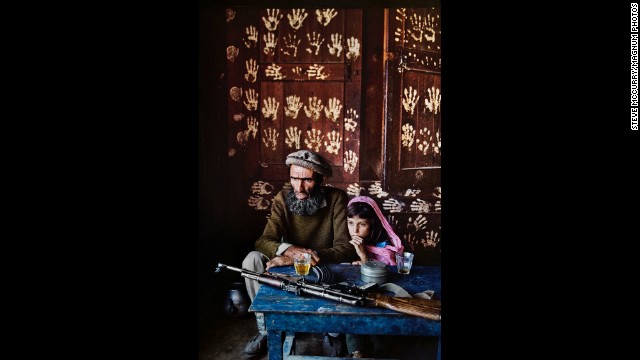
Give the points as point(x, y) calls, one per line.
point(302, 181)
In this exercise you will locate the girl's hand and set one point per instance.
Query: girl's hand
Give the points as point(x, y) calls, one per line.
point(357, 262)
point(358, 243)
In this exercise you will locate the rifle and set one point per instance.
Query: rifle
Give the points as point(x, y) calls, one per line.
point(428, 309)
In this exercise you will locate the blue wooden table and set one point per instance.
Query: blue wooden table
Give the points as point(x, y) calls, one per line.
point(285, 312)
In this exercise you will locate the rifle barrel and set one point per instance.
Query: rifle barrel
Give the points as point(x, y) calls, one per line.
point(428, 309)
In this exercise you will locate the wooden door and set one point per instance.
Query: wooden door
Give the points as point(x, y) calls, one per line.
point(294, 83)
point(413, 128)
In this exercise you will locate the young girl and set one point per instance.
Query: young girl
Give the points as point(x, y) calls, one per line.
point(371, 234)
point(374, 239)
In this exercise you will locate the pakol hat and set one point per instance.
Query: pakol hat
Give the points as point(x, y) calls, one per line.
point(309, 160)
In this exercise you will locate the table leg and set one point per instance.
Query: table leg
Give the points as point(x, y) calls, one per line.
point(438, 356)
point(274, 343)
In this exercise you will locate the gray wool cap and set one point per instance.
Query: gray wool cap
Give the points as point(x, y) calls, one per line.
point(309, 160)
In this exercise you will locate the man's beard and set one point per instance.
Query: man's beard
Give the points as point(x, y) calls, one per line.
point(308, 206)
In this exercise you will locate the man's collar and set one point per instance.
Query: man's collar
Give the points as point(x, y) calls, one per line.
point(324, 201)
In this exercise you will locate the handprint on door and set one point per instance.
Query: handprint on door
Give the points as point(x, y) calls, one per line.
point(296, 18)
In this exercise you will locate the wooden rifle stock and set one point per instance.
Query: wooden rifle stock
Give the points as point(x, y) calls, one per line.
point(428, 309)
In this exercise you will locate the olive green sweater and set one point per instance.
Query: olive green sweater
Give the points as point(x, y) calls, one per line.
point(325, 232)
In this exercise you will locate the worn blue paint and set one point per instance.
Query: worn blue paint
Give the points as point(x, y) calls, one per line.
point(287, 312)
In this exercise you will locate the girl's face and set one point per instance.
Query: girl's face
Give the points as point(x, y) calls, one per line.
point(359, 227)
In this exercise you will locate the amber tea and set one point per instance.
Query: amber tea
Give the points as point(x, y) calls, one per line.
point(302, 264)
point(302, 269)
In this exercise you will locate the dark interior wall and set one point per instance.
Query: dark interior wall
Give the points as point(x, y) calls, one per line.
point(212, 166)
point(373, 97)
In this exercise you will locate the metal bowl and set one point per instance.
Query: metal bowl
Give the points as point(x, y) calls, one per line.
point(374, 271)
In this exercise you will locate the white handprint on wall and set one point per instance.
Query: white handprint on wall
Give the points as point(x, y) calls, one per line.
point(334, 142)
point(242, 137)
point(423, 144)
point(350, 161)
point(332, 111)
point(252, 100)
point(430, 28)
point(315, 108)
point(354, 189)
point(433, 103)
point(270, 137)
point(410, 99)
point(270, 42)
point(232, 53)
point(314, 41)
point(252, 70)
point(354, 48)
point(324, 16)
point(314, 139)
point(393, 205)
point(252, 36)
point(296, 18)
point(262, 188)
point(252, 126)
point(293, 106)
point(431, 239)
point(291, 42)
point(376, 189)
point(272, 20)
point(408, 134)
point(270, 108)
point(417, 27)
point(437, 146)
point(422, 27)
point(335, 48)
point(418, 224)
point(235, 93)
point(258, 202)
point(420, 206)
point(349, 123)
point(293, 137)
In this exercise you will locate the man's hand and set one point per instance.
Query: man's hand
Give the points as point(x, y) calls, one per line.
point(279, 261)
point(295, 251)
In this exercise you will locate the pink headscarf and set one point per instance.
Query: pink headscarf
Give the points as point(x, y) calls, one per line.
point(387, 253)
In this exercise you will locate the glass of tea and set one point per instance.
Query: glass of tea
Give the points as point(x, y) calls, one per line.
point(404, 262)
point(302, 264)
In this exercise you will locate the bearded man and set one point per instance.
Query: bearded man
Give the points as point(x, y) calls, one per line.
point(306, 218)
